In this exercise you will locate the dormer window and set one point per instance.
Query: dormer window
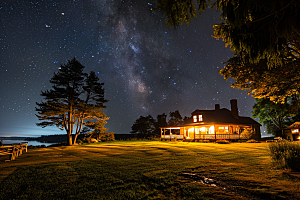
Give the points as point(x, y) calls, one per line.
point(195, 118)
point(200, 118)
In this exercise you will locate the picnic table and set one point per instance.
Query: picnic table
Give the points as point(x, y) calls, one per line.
point(13, 150)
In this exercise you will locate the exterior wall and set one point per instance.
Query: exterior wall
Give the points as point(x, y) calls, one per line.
point(257, 134)
point(288, 134)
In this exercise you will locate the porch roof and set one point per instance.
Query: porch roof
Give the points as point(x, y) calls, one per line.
point(294, 126)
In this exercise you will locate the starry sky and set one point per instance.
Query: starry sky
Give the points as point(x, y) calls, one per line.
point(147, 68)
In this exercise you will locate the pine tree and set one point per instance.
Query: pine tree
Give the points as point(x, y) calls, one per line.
point(75, 96)
point(175, 118)
point(143, 127)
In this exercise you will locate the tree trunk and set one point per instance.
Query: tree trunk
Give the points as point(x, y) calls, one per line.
point(69, 140)
point(75, 138)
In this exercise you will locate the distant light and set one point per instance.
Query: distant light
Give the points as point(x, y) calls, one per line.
point(62, 13)
point(174, 83)
point(190, 51)
point(177, 68)
point(98, 72)
point(167, 43)
point(166, 32)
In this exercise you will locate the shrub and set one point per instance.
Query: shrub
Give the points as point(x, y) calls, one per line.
point(252, 141)
point(248, 133)
point(1, 143)
point(222, 142)
point(285, 154)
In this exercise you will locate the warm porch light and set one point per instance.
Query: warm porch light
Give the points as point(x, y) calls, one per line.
point(212, 130)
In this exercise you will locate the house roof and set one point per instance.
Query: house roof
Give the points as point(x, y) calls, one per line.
point(294, 125)
point(221, 116)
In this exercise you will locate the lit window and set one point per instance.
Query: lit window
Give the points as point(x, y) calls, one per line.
point(195, 118)
point(211, 130)
point(295, 130)
point(200, 118)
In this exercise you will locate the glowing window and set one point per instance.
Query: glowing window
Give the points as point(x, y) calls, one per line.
point(295, 130)
point(203, 130)
point(211, 130)
point(200, 118)
point(195, 118)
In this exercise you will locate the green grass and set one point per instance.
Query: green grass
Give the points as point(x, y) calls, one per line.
point(145, 170)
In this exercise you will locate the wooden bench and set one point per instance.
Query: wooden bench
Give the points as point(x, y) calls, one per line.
point(13, 150)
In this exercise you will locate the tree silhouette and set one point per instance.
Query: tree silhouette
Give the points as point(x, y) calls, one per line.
point(75, 96)
point(143, 127)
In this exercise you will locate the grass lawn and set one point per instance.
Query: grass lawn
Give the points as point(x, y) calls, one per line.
point(146, 170)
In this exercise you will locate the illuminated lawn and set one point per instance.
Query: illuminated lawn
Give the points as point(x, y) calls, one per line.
point(146, 170)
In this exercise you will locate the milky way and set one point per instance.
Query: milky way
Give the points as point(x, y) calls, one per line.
point(147, 67)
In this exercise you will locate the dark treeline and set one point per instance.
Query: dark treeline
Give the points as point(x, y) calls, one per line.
point(148, 127)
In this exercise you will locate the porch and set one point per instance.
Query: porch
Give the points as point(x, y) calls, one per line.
point(204, 132)
point(203, 137)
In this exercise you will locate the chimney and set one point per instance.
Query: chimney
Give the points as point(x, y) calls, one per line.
point(217, 106)
point(234, 108)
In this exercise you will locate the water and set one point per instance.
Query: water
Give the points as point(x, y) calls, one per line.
point(33, 143)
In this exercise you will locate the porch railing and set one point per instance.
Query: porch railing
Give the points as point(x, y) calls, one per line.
point(217, 136)
point(206, 136)
point(172, 136)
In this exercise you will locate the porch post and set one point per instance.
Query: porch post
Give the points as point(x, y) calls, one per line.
point(194, 133)
point(215, 133)
point(229, 132)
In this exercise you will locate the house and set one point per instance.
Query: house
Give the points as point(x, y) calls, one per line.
point(216, 124)
point(292, 132)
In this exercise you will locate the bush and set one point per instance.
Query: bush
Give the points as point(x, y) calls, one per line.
point(222, 142)
point(286, 154)
point(1, 143)
point(248, 133)
point(252, 141)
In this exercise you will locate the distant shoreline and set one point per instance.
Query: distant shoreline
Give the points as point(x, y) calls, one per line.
point(13, 138)
point(60, 138)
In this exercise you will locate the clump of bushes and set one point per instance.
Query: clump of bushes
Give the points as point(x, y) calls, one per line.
point(247, 134)
point(285, 154)
point(222, 142)
point(252, 141)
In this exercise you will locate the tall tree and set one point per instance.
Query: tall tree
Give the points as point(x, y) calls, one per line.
point(275, 116)
point(143, 127)
point(175, 118)
point(264, 35)
point(74, 97)
point(161, 121)
point(260, 29)
point(277, 84)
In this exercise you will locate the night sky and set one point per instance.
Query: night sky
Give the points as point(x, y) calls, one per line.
point(147, 67)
